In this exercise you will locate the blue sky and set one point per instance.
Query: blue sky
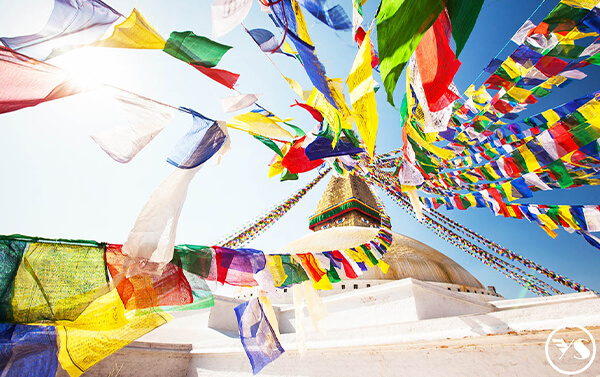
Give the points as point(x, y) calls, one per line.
point(58, 183)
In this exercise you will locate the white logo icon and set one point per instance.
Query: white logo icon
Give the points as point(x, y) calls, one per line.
point(570, 356)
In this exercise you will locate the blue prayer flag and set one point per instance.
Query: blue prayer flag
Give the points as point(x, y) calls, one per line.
point(204, 139)
point(334, 17)
point(28, 350)
point(321, 148)
point(258, 338)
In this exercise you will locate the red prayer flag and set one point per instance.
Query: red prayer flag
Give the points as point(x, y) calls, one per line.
point(295, 160)
point(144, 291)
point(348, 270)
point(550, 66)
point(28, 82)
point(437, 64)
point(314, 112)
point(312, 266)
point(219, 75)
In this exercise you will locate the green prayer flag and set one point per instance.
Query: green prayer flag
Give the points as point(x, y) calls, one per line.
point(559, 170)
point(463, 15)
point(294, 271)
point(269, 143)
point(299, 131)
point(400, 27)
point(287, 176)
point(192, 48)
point(594, 59)
point(194, 259)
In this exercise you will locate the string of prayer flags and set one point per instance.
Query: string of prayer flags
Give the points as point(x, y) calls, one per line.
point(334, 17)
point(257, 335)
point(145, 120)
point(362, 95)
point(252, 229)
point(357, 18)
point(28, 82)
point(239, 102)
point(28, 350)
point(205, 138)
point(400, 27)
point(71, 24)
point(227, 14)
point(135, 32)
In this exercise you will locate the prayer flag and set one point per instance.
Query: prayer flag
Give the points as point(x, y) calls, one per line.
point(321, 148)
point(221, 76)
point(361, 85)
point(71, 24)
point(256, 334)
point(227, 14)
point(334, 17)
point(134, 32)
point(400, 27)
point(258, 124)
point(27, 82)
point(195, 49)
point(463, 15)
point(296, 161)
point(28, 350)
point(239, 102)
point(437, 64)
point(204, 139)
point(145, 120)
point(151, 241)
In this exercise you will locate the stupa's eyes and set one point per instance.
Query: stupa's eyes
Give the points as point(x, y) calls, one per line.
point(364, 220)
point(339, 221)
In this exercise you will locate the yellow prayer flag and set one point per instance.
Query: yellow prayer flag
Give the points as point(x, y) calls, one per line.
point(276, 268)
point(288, 49)
point(362, 95)
point(297, 88)
point(591, 112)
point(531, 162)
point(511, 68)
point(81, 346)
point(565, 215)
point(587, 4)
point(301, 29)
point(259, 124)
point(519, 94)
point(551, 116)
point(384, 267)
point(134, 32)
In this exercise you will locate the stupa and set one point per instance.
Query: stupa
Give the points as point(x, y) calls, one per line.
point(347, 216)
